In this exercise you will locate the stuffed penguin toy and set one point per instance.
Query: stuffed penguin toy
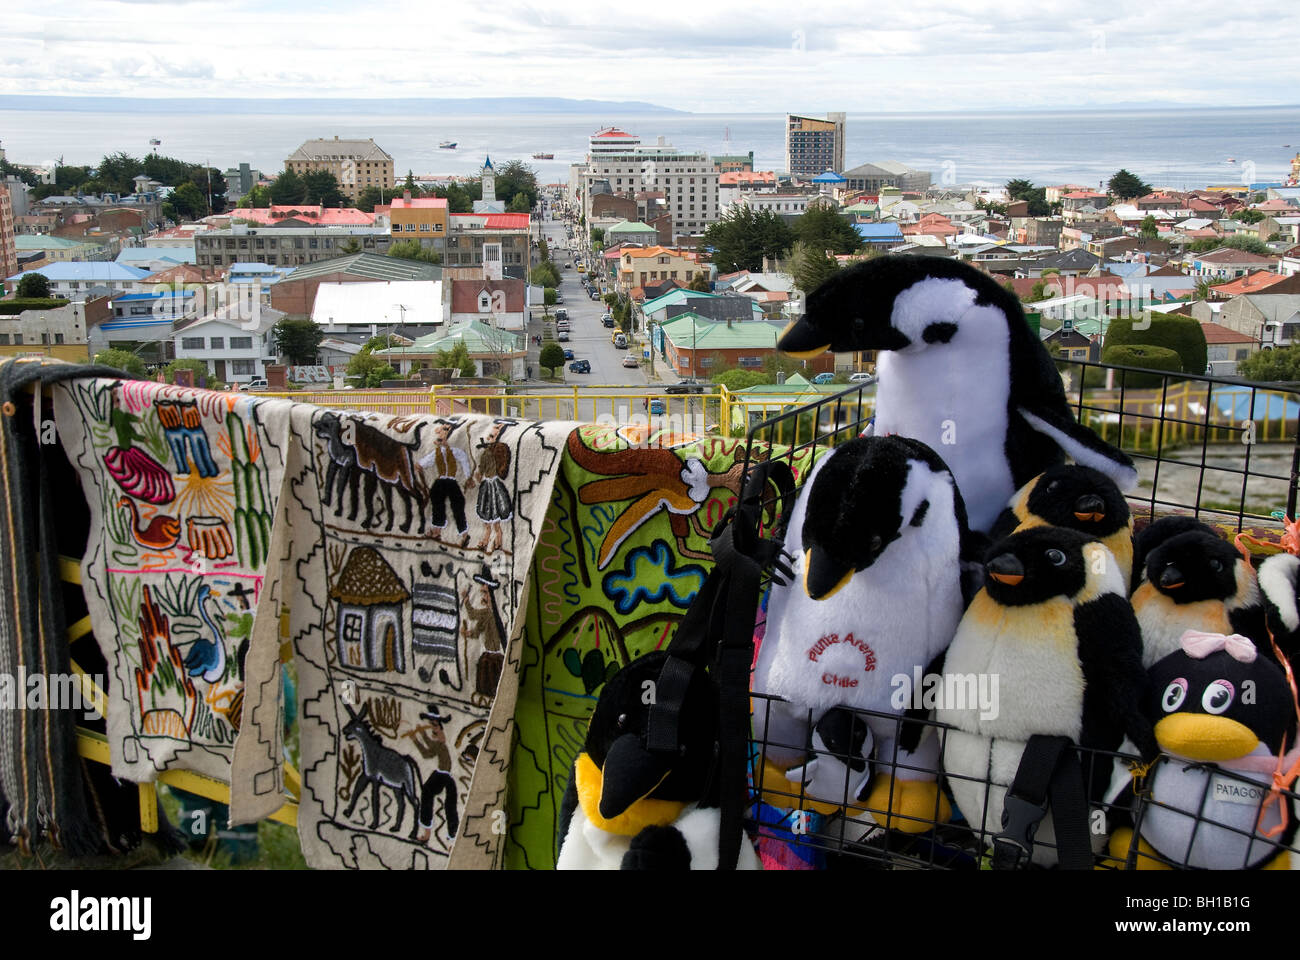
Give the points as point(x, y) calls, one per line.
point(877, 536)
point(1279, 584)
point(959, 369)
point(1054, 627)
point(1216, 705)
point(1193, 580)
point(629, 808)
point(1079, 498)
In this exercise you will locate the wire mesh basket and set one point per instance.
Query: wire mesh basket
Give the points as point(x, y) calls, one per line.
point(1224, 451)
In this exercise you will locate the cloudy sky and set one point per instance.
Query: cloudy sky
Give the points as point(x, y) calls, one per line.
point(710, 57)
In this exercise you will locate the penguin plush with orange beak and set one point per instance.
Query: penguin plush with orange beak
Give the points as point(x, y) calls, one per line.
point(1225, 722)
point(1194, 580)
point(1053, 628)
point(628, 807)
point(1079, 498)
point(879, 535)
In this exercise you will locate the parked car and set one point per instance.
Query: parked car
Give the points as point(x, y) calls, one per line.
point(568, 354)
point(562, 336)
point(823, 378)
point(656, 406)
point(568, 265)
point(594, 294)
point(580, 366)
point(861, 377)
point(620, 341)
point(630, 361)
point(608, 321)
point(561, 314)
point(258, 384)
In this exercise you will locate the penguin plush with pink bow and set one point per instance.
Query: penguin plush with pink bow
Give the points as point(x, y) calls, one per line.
point(1225, 719)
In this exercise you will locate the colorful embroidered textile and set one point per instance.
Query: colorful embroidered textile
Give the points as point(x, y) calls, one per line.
point(182, 487)
point(405, 544)
point(624, 550)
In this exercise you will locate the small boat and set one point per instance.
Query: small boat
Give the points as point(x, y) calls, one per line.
point(447, 145)
point(1232, 159)
point(543, 156)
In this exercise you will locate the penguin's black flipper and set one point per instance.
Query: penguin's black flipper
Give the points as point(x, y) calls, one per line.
point(1110, 652)
point(657, 848)
point(1004, 526)
point(1081, 445)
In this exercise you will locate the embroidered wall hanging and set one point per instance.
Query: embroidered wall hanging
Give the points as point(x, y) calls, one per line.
point(182, 486)
point(624, 550)
point(405, 543)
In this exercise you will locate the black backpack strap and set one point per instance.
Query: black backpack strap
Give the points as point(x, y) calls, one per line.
point(1049, 775)
point(717, 634)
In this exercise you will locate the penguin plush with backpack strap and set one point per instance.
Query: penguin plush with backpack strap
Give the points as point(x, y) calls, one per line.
point(1225, 722)
point(1053, 628)
point(1079, 498)
point(627, 807)
point(959, 369)
point(1194, 580)
point(878, 536)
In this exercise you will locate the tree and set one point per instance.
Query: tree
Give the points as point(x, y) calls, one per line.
point(552, 356)
point(1020, 189)
point(548, 296)
point(410, 184)
point(824, 229)
point(259, 196)
point(518, 204)
point(513, 179)
point(352, 246)
point(411, 250)
point(118, 170)
point(123, 360)
point(187, 202)
point(736, 379)
point(1148, 228)
point(544, 250)
point(1126, 186)
point(1241, 241)
point(1183, 335)
point(297, 340)
point(544, 275)
point(371, 197)
point(1272, 366)
point(742, 238)
point(287, 188)
point(1035, 196)
point(699, 281)
point(200, 369)
point(320, 186)
point(457, 358)
point(812, 267)
point(1250, 216)
point(597, 234)
point(33, 285)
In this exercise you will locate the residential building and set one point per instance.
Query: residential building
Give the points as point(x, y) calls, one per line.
point(153, 259)
point(293, 215)
point(295, 295)
point(144, 323)
point(241, 180)
point(1067, 263)
point(76, 280)
point(474, 238)
point(1227, 263)
point(8, 250)
point(874, 177)
point(1225, 348)
point(886, 234)
point(637, 233)
point(814, 145)
point(234, 347)
point(734, 163)
point(687, 180)
point(693, 345)
point(356, 164)
point(495, 352)
point(657, 309)
point(1270, 320)
point(57, 249)
point(422, 218)
point(1071, 344)
point(285, 246)
point(59, 331)
point(637, 266)
point(787, 205)
point(498, 303)
point(1262, 281)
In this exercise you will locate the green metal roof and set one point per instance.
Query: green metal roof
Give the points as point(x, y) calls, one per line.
point(691, 331)
point(631, 226)
point(25, 241)
point(369, 265)
point(478, 337)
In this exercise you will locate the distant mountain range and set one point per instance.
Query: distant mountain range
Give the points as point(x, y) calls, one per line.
point(324, 105)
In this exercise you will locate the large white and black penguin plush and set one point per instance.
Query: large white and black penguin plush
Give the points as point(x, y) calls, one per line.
point(1192, 579)
point(1054, 626)
point(1079, 498)
point(629, 808)
point(1214, 701)
point(959, 369)
point(876, 593)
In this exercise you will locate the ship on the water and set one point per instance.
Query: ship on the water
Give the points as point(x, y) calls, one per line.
point(543, 156)
point(447, 145)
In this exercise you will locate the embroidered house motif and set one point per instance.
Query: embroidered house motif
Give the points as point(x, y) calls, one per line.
point(369, 614)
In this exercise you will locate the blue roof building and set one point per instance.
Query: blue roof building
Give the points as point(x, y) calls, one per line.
point(886, 233)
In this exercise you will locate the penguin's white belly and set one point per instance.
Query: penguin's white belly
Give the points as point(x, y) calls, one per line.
point(957, 407)
point(1164, 622)
point(587, 847)
point(1230, 805)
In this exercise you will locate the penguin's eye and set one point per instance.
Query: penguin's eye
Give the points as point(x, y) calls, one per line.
point(1055, 557)
point(1216, 566)
point(1217, 697)
point(1053, 485)
point(1174, 695)
point(622, 720)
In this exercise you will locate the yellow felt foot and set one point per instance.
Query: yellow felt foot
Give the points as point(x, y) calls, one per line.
point(1121, 842)
point(780, 792)
point(915, 806)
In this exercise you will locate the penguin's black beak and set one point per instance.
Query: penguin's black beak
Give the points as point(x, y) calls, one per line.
point(1006, 568)
point(630, 773)
point(822, 574)
point(1171, 578)
point(1091, 508)
point(802, 340)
